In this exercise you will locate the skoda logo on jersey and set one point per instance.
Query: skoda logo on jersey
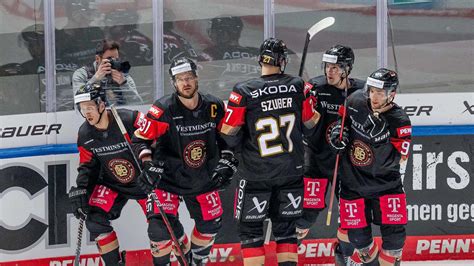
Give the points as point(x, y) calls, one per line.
point(273, 90)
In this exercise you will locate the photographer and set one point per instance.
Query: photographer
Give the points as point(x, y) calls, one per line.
point(111, 73)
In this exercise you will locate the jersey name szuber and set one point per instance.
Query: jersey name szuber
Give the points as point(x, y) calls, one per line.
point(279, 103)
point(272, 90)
point(109, 148)
point(201, 127)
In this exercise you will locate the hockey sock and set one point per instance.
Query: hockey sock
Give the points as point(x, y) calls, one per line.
point(201, 245)
point(253, 256)
point(390, 257)
point(368, 255)
point(108, 248)
point(344, 250)
point(287, 254)
point(161, 252)
point(185, 245)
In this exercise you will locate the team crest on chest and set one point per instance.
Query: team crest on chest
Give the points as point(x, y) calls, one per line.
point(328, 131)
point(123, 170)
point(361, 154)
point(195, 153)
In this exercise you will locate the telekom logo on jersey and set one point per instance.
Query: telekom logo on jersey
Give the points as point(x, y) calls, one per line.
point(351, 208)
point(103, 191)
point(167, 196)
point(313, 187)
point(212, 199)
point(393, 203)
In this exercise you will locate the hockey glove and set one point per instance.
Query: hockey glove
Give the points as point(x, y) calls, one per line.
point(79, 201)
point(314, 95)
point(338, 144)
point(225, 169)
point(374, 125)
point(150, 177)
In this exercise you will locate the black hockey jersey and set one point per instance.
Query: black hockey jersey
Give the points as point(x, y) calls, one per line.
point(105, 158)
point(371, 163)
point(174, 46)
point(187, 141)
point(265, 117)
point(319, 158)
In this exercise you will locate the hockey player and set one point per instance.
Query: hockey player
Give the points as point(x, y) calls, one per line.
point(122, 27)
point(190, 160)
point(330, 90)
point(224, 33)
point(231, 62)
point(174, 44)
point(107, 173)
point(265, 118)
point(377, 133)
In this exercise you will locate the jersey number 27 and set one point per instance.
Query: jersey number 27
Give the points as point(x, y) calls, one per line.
point(274, 125)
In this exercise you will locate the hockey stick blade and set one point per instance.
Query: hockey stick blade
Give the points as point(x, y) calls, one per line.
point(320, 25)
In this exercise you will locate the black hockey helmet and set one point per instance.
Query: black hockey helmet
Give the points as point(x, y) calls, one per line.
point(383, 78)
point(273, 52)
point(75, 7)
point(122, 17)
point(181, 65)
point(89, 92)
point(231, 25)
point(340, 55)
point(33, 34)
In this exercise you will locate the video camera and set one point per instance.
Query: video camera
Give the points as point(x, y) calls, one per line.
point(118, 65)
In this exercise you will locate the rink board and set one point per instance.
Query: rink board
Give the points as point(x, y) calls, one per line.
point(310, 252)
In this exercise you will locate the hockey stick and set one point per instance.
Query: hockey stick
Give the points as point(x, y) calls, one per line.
point(319, 26)
point(152, 194)
point(268, 232)
point(336, 166)
point(79, 238)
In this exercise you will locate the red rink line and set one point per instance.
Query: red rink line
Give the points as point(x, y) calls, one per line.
point(312, 251)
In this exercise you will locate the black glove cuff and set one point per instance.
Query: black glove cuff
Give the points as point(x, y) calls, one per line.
point(77, 192)
point(227, 153)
